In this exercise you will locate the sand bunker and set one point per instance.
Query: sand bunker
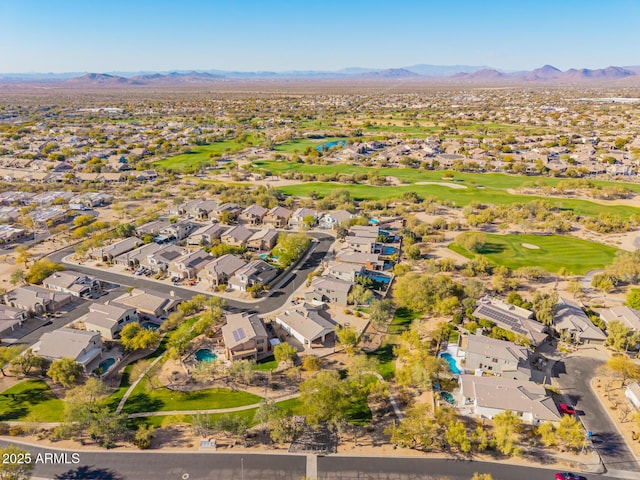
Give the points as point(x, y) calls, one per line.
point(530, 246)
point(444, 184)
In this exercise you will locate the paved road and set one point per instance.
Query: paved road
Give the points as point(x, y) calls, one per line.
point(107, 465)
point(275, 300)
point(574, 375)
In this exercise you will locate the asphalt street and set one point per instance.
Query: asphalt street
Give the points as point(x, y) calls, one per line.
point(275, 299)
point(239, 466)
point(574, 375)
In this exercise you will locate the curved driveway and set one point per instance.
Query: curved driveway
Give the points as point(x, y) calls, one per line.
point(276, 298)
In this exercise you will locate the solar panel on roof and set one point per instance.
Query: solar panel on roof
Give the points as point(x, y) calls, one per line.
point(238, 334)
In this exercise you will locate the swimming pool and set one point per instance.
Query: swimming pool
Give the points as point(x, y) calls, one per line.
point(150, 326)
point(388, 250)
point(381, 278)
point(205, 355)
point(106, 364)
point(452, 363)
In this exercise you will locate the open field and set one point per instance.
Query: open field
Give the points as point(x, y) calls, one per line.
point(30, 400)
point(553, 252)
point(411, 175)
point(459, 197)
point(145, 399)
point(200, 154)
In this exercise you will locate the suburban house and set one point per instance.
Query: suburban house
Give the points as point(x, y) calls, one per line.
point(189, 264)
point(345, 271)
point(488, 396)
point(632, 392)
point(79, 345)
point(233, 209)
point(236, 236)
point(298, 216)
point(263, 240)
point(245, 337)
point(138, 256)
point(574, 325)
point(629, 317)
point(335, 219)
point(89, 200)
point(152, 228)
point(10, 234)
point(370, 261)
point(108, 318)
point(256, 271)
point(206, 234)
point(149, 304)
point(160, 260)
point(329, 289)
point(306, 323)
point(277, 217)
point(110, 252)
point(75, 284)
point(219, 271)
point(176, 231)
point(11, 317)
point(253, 215)
point(36, 300)
point(498, 357)
point(512, 318)
point(363, 244)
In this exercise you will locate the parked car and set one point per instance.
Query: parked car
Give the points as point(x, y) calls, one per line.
point(569, 476)
point(566, 409)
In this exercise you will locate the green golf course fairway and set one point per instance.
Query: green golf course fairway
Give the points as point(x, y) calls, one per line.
point(554, 252)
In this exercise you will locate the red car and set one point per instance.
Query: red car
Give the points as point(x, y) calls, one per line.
point(566, 410)
point(569, 476)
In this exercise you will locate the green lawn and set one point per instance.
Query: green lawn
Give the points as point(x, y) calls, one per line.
point(143, 399)
point(401, 321)
point(459, 197)
point(30, 400)
point(200, 154)
point(266, 365)
point(412, 175)
point(555, 251)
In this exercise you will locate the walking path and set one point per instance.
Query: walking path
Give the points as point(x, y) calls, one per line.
point(213, 410)
point(130, 390)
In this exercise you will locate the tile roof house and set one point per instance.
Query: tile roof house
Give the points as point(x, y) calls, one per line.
point(574, 325)
point(150, 304)
point(108, 318)
point(110, 252)
point(263, 240)
point(306, 324)
point(335, 219)
point(161, 259)
point(629, 317)
point(489, 396)
point(329, 289)
point(79, 345)
point(277, 217)
point(512, 318)
point(36, 300)
point(298, 216)
point(189, 264)
point(501, 358)
point(236, 236)
point(370, 261)
point(11, 317)
point(256, 271)
point(206, 234)
point(253, 215)
point(73, 283)
point(138, 256)
point(219, 271)
point(345, 271)
point(245, 337)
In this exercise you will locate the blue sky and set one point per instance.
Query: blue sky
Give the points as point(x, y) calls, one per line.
point(160, 35)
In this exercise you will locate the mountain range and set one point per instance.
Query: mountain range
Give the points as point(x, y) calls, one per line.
point(416, 73)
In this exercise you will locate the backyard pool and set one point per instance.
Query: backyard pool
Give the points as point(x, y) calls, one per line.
point(106, 364)
point(447, 397)
point(205, 355)
point(388, 250)
point(452, 363)
point(150, 326)
point(381, 278)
